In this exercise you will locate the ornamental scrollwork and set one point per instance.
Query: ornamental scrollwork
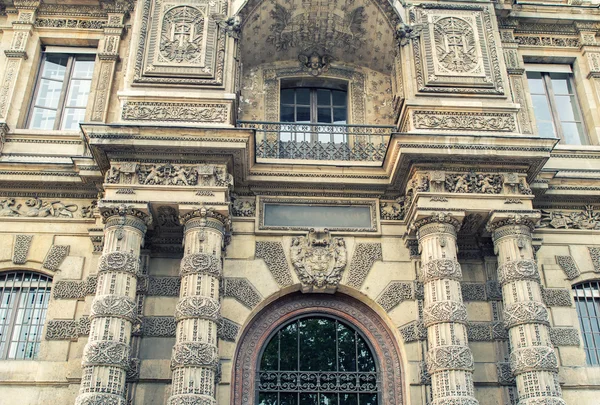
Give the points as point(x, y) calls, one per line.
point(438, 269)
point(243, 207)
point(451, 357)
point(535, 358)
point(444, 311)
point(200, 263)
point(197, 307)
point(525, 312)
point(588, 218)
point(106, 353)
point(455, 44)
point(319, 260)
point(195, 354)
point(392, 210)
point(119, 306)
point(516, 270)
point(120, 262)
point(181, 36)
point(454, 121)
point(99, 399)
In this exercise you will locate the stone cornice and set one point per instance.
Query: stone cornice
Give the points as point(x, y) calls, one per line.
point(499, 219)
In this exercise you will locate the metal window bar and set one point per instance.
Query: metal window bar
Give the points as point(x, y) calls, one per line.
point(24, 300)
point(587, 301)
point(281, 140)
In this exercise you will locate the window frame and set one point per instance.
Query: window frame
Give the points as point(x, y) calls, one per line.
point(580, 295)
point(72, 55)
point(7, 327)
point(546, 71)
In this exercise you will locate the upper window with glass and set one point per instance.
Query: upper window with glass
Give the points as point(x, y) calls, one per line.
point(555, 105)
point(61, 91)
point(313, 105)
point(587, 301)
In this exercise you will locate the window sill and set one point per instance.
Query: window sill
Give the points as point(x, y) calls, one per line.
point(45, 132)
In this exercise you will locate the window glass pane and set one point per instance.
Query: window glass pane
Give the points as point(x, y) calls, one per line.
point(83, 69)
point(572, 132)
point(317, 345)
point(72, 117)
point(287, 96)
point(324, 97)
point(43, 119)
point(347, 349)
point(339, 116)
point(288, 398)
point(560, 83)
point(289, 348)
point(49, 93)
point(328, 399)
point(269, 358)
point(55, 67)
point(543, 116)
point(339, 98)
point(348, 399)
point(267, 398)
point(78, 93)
point(324, 115)
point(566, 108)
point(303, 96)
point(303, 114)
point(368, 399)
point(365, 359)
point(287, 114)
point(536, 83)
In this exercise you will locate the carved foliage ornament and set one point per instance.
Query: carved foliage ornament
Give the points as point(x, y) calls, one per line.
point(515, 270)
point(449, 358)
point(439, 269)
point(455, 44)
point(114, 306)
point(106, 353)
point(525, 312)
point(536, 358)
point(444, 311)
point(319, 260)
point(588, 218)
point(119, 262)
point(195, 354)
point(182, 35)
point(197, 307)
point(200, 263)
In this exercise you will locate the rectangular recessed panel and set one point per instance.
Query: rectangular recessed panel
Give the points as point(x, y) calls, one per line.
point(317, 216)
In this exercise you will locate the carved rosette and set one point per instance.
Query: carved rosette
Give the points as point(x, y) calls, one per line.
point(195, 357)
point(532, 361)
point(105, 360)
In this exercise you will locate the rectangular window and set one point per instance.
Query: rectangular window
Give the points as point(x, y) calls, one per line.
point(61, 91)
point(555, 105)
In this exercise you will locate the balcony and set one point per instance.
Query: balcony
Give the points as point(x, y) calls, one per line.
point(330, 144)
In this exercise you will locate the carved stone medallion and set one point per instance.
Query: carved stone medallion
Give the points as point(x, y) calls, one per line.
point(319, 260)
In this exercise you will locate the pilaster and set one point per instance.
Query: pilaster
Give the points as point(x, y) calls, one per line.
point(106, 356)
point(449, 358)
point(195, 356)
point(532, 359)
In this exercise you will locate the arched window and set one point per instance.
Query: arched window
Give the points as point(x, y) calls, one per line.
point(317, 361)
point(587, 300)
point(24, 300)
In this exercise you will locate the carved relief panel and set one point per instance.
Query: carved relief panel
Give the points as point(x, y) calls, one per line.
point(181, 42)
point(456, 50)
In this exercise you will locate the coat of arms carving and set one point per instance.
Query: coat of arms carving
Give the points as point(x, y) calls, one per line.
point(319, 260)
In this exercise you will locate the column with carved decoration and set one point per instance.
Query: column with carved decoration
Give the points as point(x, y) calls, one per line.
point(449, 358)
point(532, 358)
point(17, 53)
point(195, 356)
point(106, 356)
point(108, 56)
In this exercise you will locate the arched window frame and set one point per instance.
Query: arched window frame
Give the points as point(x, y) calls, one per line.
point(586, 292)
point(19, 337)
point(348, 325)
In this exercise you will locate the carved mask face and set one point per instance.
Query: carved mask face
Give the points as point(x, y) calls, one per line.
point(315, 62)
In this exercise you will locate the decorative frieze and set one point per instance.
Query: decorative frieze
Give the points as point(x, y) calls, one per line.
point(588, 219)
point(540, 358)
point(395, 293)
point(443, 312)
point(194, 354)
point(200, 263)
point(557, 297)
point(526, 312)
point(391, 210)
point(413, 332)
point(243, 207)
point(449, 357)
point(364, 257)
point(197, 307)
point(515, 270)
point(117, 306)
point(159, 326)
point(565, 337)
point(37, 207)
point(21, 248)
point(568, 265)
point(319, 260)
point(595, 256)
point(106, 353)
point(71, 23)
point(176, 112)
point(439, 269)
point(163, 286)
point(547, 41)
point(274, 256)
point(441, 181)
point(505, 375)
point(228, 330)
point(166, 174)
point(242, 290)
point(463, 121)
point(55, 256)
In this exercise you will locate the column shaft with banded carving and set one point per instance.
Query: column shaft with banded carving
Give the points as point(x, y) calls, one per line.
point(195, 356)
point(114, 310)
point(532, 358)
point(449, 358)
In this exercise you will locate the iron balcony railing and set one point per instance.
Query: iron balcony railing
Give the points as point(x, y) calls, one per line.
point(333, 142)
point(317, 381)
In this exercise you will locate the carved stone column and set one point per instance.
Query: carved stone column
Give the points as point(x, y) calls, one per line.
point(195, 355)
point(449, 359)
point(114, 310)
point(532, 359)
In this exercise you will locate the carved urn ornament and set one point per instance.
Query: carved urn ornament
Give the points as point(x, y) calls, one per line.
point(315, 64)
point(319, 260)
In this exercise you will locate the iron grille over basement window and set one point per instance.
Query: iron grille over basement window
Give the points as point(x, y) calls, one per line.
point(587, 300)
point(24, 300)
point(317, 361)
